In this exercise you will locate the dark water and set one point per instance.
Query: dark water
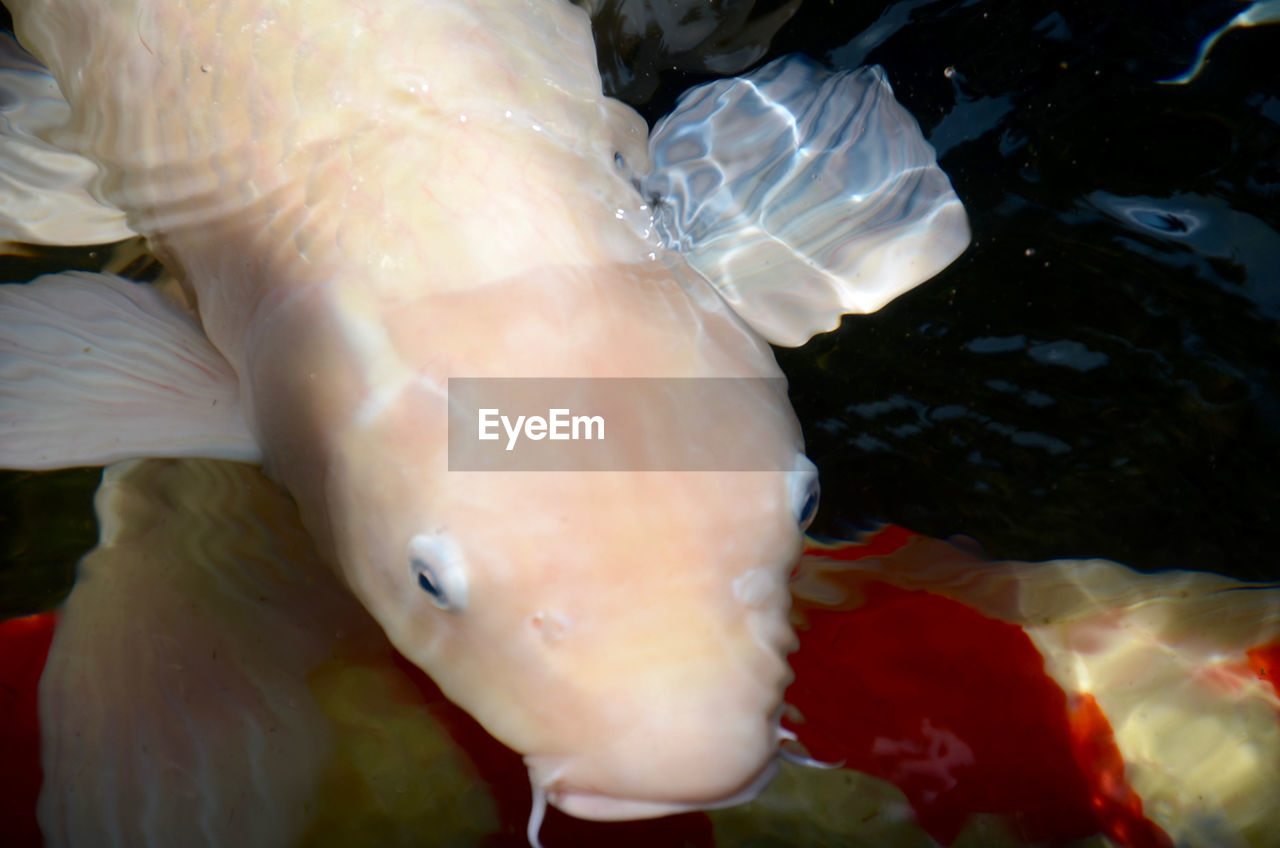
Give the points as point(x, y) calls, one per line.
point(1096, 376)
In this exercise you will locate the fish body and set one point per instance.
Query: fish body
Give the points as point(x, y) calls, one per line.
point(364, 202)
point(965, 701)
point(1074, 697)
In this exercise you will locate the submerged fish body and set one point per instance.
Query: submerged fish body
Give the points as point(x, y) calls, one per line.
point(364, 202)
point(957, 701)
point(1076, 697)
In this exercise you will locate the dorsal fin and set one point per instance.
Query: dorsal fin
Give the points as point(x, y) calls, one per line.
point(802, 195)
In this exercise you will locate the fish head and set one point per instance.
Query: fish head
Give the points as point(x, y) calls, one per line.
point(634, 656)
point(625, 630)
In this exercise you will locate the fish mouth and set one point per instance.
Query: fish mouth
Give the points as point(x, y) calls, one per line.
point(589, 805)
point(584, 804)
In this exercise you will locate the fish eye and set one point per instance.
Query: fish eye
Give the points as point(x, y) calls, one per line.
point(809, 509)
point(438, 566)
point(428, 581)
point(805, 491)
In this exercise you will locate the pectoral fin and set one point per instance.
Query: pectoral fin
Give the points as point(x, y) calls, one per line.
point(802, 195)
point(212, 683)
point(94, 369)
point(45, 193)
point(174, 706)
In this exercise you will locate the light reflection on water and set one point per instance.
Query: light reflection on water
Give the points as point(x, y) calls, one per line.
point(1096, 377)
point(1119, 224)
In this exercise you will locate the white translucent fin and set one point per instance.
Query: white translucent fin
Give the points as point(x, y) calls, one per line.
point(44, 190)
point(94, 369)
point(1263, 12)
point(176, 705)
point(802, 195)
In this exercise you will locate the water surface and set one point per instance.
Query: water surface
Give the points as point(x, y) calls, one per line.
point(1096, 376)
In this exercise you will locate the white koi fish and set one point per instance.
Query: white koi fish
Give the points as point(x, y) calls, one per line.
point(232, 678)
point(242, 697)
point(363, 201)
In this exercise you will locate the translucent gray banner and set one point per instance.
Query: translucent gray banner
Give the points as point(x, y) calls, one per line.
point(621, 424)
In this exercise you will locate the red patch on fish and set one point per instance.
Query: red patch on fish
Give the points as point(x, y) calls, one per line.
point(1265, 662)
point(24, 648)
point(1117, 807)
point(881, 543)
point(955, 709)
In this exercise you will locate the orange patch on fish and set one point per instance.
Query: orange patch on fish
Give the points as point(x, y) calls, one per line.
point(1265, 662)
point(955, 709)
point(24, 647)
point(1117, 807)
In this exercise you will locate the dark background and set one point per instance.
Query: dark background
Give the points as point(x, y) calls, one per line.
point(1095, 377)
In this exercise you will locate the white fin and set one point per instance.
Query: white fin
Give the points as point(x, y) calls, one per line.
point(44, 190)
point(802, 195)
point(94, 369)
point(175, 706)
point(212, 683)
point(1257, 14)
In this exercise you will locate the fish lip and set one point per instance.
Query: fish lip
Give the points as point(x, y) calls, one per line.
point(595, 806)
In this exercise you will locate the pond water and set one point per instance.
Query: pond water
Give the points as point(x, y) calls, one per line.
point(1095, 377)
